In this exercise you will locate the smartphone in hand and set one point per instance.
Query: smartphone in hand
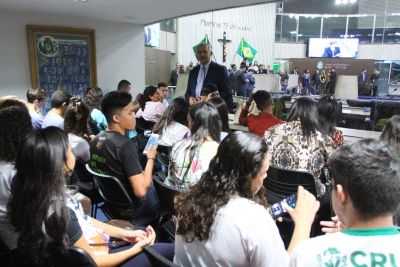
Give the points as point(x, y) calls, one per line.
point(152, 141)
point(277, 210)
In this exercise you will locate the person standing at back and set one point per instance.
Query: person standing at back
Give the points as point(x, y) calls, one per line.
point(125, 86)
point(208, 72)
point(240, 81)
point(59, 102)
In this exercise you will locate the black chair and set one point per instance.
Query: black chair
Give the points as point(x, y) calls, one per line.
point(382, 110)
point(163, 154)
point(92, 127)
point(85, 181)
point(116, 197)
point(156, 259)
point(77, 257)
point(5, 254)
point(281, 183)
point(166, 195)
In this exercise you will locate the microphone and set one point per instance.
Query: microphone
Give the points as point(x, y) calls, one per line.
point(394, 90)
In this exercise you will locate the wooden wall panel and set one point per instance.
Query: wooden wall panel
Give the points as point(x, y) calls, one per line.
point(157, 66)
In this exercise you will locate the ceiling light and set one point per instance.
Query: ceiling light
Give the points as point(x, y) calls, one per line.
point(81, 0)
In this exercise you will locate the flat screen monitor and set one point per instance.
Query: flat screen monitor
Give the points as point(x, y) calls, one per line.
point(152, 35)
point(333, 47)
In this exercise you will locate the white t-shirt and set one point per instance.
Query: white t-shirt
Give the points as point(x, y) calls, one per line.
point(7, 234)
point(243, 234)
point(53, 119)
point(152, 111)
point(80, 147)
point(367, 247)
point(173, 133)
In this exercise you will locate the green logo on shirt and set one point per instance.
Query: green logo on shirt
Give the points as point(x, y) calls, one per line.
point(331, 258)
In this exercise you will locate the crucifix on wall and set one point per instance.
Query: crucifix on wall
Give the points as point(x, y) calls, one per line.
point(224, 43)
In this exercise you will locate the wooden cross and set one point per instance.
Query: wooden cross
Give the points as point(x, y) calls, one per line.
point(224, 43)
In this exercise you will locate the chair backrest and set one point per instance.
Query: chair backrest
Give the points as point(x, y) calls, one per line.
point(143, 125)
point(77, 257)
point(284, 182)
point(166, 194)
point(112, 190)
point(92, 127)
point(163, 154)
point(82, 175)
point(156, 259)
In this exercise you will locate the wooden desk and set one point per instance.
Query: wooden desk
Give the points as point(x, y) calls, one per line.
point(236, 127)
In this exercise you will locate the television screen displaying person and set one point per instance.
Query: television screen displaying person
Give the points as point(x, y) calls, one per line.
point(332, 50)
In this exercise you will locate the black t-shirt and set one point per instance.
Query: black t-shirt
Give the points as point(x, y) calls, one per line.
point(114, 154)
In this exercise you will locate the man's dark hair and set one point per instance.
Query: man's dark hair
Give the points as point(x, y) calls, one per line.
point(114, 102)
point(162, 84)
point(122, 85)
point(35, 94)
point(59, 97)
point(208, 89)
point(369, 171)
point(262, 99)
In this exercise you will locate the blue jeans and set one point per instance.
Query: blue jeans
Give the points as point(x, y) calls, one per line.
point(149, 205)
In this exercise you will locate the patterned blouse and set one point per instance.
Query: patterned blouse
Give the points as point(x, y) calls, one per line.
point(179, 163)
point(291, 150)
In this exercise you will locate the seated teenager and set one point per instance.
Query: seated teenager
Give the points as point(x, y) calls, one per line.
point(151, 109)
point(93, 97)
point(55, 117)
point(366, 189)
point(15, 124)
point(327, 113)
point(222, 108)
point(259, 124)
point(299, 144)
point(172, 126)
point(163, 93)
point(208, 91)
point(113, 153)
point(223, 220)
point(190, 157)
point(36, 99)
point(48, 220)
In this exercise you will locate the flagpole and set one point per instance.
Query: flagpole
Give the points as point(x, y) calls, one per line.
point(234, 57)
point(210, 45)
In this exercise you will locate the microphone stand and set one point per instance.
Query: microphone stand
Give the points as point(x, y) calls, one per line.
point(389, 94)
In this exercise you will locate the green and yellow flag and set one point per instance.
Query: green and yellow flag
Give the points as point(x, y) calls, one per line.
point(245, 50)
point(205, 40)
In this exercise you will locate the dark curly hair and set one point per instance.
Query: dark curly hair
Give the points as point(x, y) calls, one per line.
point(239, 160)
point(145, 97)
point(15, 124)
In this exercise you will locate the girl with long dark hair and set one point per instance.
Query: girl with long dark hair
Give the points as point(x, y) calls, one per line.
point(48, 220)
point(223, 220)
point(172, 126)
point(327, 114)
point(222, 108)
point(190, 157)
point(151, 109)
point(300, 144)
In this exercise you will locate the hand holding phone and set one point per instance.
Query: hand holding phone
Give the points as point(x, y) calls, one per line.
point(277, 210)
point(152, 141)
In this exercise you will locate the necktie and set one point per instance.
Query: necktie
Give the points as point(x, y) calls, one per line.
point(200, 80)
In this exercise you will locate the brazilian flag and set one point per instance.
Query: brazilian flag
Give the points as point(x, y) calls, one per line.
point(205, 40)
point(245, 50)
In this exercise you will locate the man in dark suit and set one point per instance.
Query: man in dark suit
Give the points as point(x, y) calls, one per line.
point(332, 50)
point(174, 75)
point(231, 77)
point(362, 81)
point(332, 81)
point(240, 81)
point(250, 81)
point(208, 72)
point(295, 71)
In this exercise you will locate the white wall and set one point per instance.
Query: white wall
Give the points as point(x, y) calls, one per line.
point(261, 19)
point(365, 51)
point(119, 47)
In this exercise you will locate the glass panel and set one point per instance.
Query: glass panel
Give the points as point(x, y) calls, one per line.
point(333, 26)
point(286, 28)
point(309, 26)
point(361, 28)
point(168, 25)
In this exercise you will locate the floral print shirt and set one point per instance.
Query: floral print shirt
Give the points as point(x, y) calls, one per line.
point(180, 172)
point(291, 150)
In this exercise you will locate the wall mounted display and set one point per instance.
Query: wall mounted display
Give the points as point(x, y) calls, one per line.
point(62, 59)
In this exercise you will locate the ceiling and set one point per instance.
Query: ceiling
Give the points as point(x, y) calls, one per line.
point(129, 11)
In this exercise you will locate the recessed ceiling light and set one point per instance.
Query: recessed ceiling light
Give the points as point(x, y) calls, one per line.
point(81, 0)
